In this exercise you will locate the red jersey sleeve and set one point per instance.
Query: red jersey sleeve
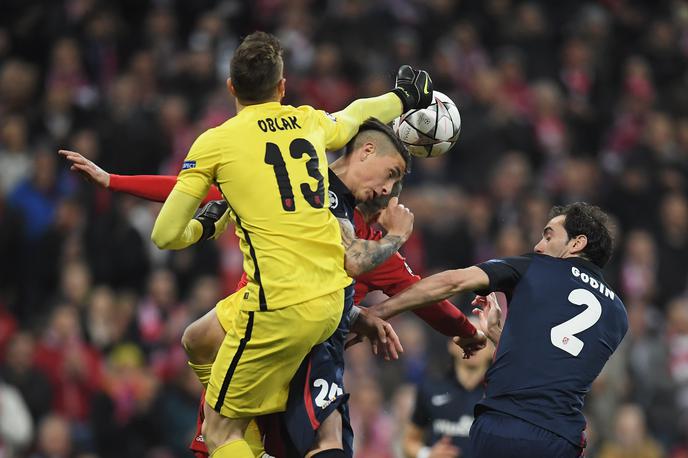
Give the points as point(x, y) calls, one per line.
point(153, 187)
point(394, 275)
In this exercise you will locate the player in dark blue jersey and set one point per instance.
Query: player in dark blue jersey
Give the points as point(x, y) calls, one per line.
point(563, 324)
point(443, 412)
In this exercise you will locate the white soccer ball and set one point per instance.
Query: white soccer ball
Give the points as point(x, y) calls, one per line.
point(430, 131)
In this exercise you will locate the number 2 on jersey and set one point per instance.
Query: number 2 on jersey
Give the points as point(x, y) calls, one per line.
point(297, 149)
point(562, 335)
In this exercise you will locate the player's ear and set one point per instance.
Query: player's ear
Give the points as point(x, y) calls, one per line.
point(579, 244)
point(367, 150)
point(282, 88)
point(230, 87)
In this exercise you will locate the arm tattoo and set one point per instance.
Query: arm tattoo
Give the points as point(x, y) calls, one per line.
point(365, 255)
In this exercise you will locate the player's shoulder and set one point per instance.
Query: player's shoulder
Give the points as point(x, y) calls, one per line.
point(322, 115)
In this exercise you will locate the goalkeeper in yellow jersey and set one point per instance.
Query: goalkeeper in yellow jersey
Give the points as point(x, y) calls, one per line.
point(270, 165)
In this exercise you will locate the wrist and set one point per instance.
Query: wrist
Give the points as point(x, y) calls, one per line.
point(494, 335)
point(354, 313)
point(404, 98)
point(395, 238)
point(112, 180)
point(208, 227)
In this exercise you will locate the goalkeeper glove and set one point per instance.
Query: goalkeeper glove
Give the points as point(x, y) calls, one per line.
point(209, 215)
point(413, 87)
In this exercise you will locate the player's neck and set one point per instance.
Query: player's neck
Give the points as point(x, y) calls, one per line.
point(241, 105)
point(340, 167)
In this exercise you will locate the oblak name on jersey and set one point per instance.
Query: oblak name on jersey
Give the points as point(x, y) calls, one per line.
point(275, 124)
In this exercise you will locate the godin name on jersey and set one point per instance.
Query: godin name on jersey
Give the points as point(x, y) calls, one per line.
point(593, 282)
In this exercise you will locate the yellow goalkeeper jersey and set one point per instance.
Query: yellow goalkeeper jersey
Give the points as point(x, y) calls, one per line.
point(269, 162)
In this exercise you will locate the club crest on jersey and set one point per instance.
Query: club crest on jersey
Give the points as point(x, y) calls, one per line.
point(188, 165)
point(334, 200)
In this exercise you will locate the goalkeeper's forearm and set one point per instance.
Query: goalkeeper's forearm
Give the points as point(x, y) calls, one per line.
point(385, 108)
point(174, 228)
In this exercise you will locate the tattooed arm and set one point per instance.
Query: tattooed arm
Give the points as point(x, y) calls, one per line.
point(364, 255)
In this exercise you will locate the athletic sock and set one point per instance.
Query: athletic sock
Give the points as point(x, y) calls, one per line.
point(254, 439)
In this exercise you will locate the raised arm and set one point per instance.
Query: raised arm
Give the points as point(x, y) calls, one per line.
point(413, 89)
point(364, 255)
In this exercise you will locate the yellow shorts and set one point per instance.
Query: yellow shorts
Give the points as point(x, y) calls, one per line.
point(262, 351)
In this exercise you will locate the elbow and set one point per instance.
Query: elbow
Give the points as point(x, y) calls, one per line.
point(160, 239)
point(353, 269)
point(455, 281)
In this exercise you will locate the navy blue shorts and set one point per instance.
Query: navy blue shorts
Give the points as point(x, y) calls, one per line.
point(497, 434)
point(317, 390)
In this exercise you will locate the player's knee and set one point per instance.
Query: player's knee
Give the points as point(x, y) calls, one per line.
point(197, 346)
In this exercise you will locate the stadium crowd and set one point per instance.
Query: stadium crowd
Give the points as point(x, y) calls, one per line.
point(560, 101)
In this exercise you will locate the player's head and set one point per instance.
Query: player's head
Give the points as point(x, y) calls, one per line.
point(376, 160)
point(256, 70)
point(372, 208)
point(578, 229)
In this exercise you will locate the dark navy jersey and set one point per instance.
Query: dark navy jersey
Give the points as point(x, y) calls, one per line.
point(445, 408)
point(563, 324)
point(342, 201)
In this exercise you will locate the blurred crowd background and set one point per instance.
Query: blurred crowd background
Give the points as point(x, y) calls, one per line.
point(560, 101)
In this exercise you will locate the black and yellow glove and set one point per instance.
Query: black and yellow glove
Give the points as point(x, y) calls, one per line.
point(413, 87)
point(209, 215)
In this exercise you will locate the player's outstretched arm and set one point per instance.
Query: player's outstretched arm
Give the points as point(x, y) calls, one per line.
point(413, 89)
point(86, 168)
point(433, 289)
point(364, 255)
point(150, 187)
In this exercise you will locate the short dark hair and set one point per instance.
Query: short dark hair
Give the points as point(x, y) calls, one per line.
point(373, 124)
point(589, 220)
point(256, 67)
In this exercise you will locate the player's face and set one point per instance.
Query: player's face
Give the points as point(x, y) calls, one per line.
point(555, 241)
point(377, 174)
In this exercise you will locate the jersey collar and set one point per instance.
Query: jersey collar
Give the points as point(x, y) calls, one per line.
point(339, 188)
point(582, 262)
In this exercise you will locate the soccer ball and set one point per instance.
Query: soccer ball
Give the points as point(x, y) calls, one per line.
point(430, 131)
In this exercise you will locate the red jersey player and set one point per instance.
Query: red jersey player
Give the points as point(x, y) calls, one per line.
point(390, 277)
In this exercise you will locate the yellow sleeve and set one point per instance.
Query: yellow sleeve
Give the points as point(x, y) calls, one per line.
point(175, 227)
point(200, 165)
point(343, 125)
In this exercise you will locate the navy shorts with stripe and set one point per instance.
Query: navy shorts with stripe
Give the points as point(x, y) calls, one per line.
point(496, 434)
point(317, 389)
